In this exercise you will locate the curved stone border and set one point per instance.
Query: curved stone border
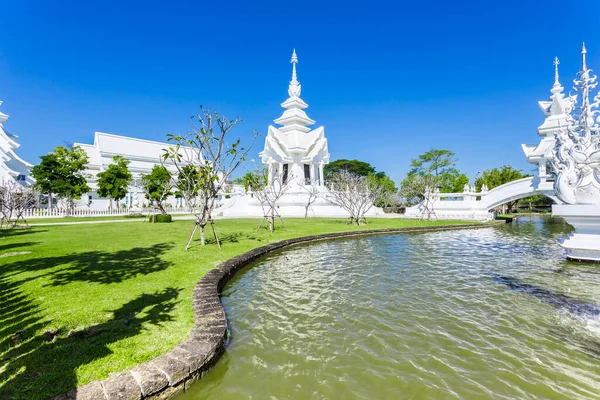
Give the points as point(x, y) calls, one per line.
point(175, 371)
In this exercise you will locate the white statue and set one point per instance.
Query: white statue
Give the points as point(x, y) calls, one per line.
point(576, 160)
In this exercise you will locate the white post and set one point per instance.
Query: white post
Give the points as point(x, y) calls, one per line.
point(321, 177)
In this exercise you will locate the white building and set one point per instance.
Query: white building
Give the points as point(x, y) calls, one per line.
point(143, 156)
point(557, 112)
point(293, 149)
point(296, 155)
point(12, 167)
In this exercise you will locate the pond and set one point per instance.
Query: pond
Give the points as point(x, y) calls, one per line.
point(488, 313)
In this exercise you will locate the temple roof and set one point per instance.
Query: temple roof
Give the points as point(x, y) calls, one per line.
point(294, 139)
point(556, 109)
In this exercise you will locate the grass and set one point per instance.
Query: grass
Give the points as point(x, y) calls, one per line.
point(78, 302)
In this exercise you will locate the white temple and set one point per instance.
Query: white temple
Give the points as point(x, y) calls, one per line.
point(293, 149)
point(143, 156)
point(12, 167)
point(294, 154)
point(557, 112)
point(576, 164)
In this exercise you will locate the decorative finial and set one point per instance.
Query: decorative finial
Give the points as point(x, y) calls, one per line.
point(294, 62)
point(583, 53)
point(556, 88)
point(294, 89)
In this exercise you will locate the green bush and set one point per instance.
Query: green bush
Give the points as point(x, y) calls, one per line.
point(161, 218)
point(135, 215)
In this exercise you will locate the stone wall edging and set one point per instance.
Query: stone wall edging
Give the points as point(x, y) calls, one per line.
point(173, 372)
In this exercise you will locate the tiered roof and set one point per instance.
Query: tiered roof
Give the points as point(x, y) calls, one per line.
point(294, 136)
point(11, 165)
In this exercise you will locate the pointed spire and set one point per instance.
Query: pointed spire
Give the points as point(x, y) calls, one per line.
point(295, 88)
point(556, 88)
point(294, 62)
point(586, 110)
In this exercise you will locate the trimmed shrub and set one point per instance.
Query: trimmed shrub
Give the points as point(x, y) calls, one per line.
point(134, 215)
point(160, 218)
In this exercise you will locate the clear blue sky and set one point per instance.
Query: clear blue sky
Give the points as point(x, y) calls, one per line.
point(388, 80)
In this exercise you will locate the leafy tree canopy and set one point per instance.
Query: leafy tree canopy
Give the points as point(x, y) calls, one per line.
point(157, 185)
point(440, 165)
point(46, 173)
point(434, 162)
point(359, 168)
point(498, 176)
point(61, 173)
point(254, 180)
point(113, 182)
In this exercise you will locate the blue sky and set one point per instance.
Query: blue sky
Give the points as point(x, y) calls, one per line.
point(388, 80)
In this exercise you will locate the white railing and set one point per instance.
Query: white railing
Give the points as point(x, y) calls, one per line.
point(86, 212)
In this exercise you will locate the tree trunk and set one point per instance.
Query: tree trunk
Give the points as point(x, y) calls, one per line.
point(202, 241)
point(306, 211)
point(49, 202)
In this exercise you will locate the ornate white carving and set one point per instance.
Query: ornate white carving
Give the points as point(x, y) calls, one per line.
point(576, 154)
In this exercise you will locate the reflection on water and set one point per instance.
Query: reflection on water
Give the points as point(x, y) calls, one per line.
point(429, 315)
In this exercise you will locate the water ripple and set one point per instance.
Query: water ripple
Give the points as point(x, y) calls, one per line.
point(414, 316)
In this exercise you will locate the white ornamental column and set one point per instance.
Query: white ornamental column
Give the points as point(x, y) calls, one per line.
point(321, 176)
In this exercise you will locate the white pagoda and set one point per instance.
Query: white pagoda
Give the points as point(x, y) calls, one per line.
point(295, 154)
point(294, 150)
point(12, 167)
point(557, 113)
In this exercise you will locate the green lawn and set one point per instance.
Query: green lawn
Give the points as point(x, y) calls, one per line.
point(78, 302)
point(51, 220)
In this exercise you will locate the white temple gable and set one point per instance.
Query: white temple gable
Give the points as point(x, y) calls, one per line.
point(294, 147)
point(12, 167)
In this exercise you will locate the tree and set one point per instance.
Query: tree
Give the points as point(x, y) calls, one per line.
point(434, 162)
point(354, 193)
point(113, 182)
point(439, 164)
point(314, 191)
point(206, 149)
point(187, 185)
point(267, 193)
point(422, 190)
point(46, 175)
point(388, 189)
point(14, 200)
point(157, 186)
point(499, 176)
point(356, 167)
point(62, 173)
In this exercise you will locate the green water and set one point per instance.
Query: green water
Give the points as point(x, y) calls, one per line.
point(414, 316)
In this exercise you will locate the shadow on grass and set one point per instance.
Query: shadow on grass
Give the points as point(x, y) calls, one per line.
point(8, 233)
point(44, 365)
point(95, 266)
point(8, 246)
point(38, 364)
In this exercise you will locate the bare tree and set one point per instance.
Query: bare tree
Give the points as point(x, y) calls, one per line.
point(213, 159)
point(422, 189)
point(314, 191)
point(268, 191)
point(355, 194)
point(14, 200)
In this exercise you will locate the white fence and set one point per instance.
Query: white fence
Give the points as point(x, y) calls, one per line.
point(84, 212)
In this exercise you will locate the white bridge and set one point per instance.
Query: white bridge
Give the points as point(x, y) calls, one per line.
point(478, 205)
